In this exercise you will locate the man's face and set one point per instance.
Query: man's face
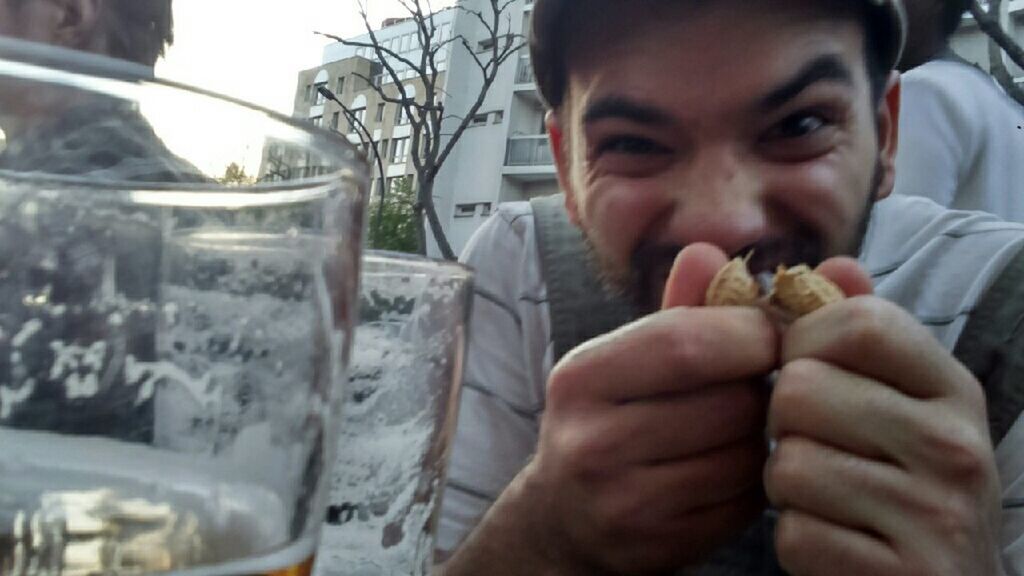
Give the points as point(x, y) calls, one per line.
point(749, 125)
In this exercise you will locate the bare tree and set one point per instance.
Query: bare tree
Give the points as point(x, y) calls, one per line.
point(1000, 42)
point(372, 149)
point(430, 148)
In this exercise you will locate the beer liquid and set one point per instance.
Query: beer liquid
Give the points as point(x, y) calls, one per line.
point(80, 507)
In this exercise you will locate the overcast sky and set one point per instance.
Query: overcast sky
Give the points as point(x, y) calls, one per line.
point(253, 49)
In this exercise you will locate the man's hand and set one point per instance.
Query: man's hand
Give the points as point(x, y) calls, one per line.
point(651, 448)
point(884, 464)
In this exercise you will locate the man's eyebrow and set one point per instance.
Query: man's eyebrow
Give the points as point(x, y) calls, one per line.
point(617, 107)
point(829, 67)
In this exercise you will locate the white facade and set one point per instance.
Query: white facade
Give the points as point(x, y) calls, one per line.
point(503, 156)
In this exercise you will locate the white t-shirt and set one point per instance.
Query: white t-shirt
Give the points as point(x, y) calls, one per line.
point(510, 351)
point(961, 140)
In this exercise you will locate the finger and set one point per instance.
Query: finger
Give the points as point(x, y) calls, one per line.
point(809, 546)
point(687, 539)
point(836, 407)
point(661, 492)
point(672, 351)
point(848, 275)
point(691, 275)
point(877, 339)
point(671, 428)
point(844, 489)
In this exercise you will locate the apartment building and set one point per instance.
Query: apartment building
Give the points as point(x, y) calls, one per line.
point(503, 156)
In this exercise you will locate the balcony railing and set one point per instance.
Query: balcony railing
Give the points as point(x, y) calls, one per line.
point(528, 151)
point(524, 75)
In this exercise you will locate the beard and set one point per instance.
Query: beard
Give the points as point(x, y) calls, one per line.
point(650, 264)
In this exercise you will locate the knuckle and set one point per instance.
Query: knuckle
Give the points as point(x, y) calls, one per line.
point(565, 385)
point(961, 451)
point(794, 391)
point(685, 347)
point(867, 320)
point(583, 454)
point(785, 472)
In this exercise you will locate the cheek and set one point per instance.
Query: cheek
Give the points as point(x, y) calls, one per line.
point(827, 195)
point(620, 213)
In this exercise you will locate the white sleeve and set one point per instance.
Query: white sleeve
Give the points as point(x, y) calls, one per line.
point(1010, 460)
point(934, 139)
point(501, 399)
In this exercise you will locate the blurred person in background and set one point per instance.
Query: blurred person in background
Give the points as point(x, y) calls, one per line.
point(961, 142)
point(93, 271)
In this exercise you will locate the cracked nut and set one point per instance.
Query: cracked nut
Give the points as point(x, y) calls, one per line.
point(800, 290)
point(733, 286)
point(795, 291)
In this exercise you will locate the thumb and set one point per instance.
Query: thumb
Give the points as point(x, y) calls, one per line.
point(848, 275)
point(694, 269)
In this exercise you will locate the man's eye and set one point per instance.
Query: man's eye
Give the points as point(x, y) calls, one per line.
point(631, 145)
point(798, 126)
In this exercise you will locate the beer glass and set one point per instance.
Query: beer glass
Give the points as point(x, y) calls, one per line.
point(397, 418)
point(178, 278)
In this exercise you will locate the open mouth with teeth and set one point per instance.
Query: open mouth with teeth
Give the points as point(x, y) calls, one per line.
point(653, 264)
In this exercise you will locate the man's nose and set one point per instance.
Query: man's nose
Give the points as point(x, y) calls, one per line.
point(720, 201)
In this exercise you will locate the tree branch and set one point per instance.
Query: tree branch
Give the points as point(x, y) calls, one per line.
point(998, 67)
point(989, 24)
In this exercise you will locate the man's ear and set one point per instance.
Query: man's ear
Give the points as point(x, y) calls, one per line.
point(563, 164)
point(77, 24)
point(888, 121)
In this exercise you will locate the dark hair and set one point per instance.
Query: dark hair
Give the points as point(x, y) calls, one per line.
point(139, 30)
point(952, 13)
point(878, 70)
point(550, 53)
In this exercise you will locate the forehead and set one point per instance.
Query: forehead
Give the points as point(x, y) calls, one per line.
point(714, 54)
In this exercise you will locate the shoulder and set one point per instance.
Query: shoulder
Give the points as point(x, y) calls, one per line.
point(503, 253)
point(956, 86)
point(935, 262)
point(509, 229)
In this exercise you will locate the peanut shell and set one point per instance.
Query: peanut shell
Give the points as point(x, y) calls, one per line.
point(733, 286)
point(800, 290)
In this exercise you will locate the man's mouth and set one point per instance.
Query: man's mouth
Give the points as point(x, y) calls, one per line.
point(652, 265)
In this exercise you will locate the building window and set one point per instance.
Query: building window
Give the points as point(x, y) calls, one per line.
point(339, 86)
point(399, 150)
point(382, 148)
point(380, 111)
point(485, 45)
point(401, 116)
point(485, 209)
point(499, 117)
point(395, 182)
point(319, 97)
point(479, 120)
point(465, 210)
point(335, 120)
point(317, 121)
point(359, 117)
point(309, 92)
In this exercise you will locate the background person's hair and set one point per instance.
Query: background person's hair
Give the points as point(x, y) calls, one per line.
point(138, 30)
point(952, 12)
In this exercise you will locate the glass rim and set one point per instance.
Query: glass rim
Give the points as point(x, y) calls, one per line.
point(352, 168)
point(416, 262)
